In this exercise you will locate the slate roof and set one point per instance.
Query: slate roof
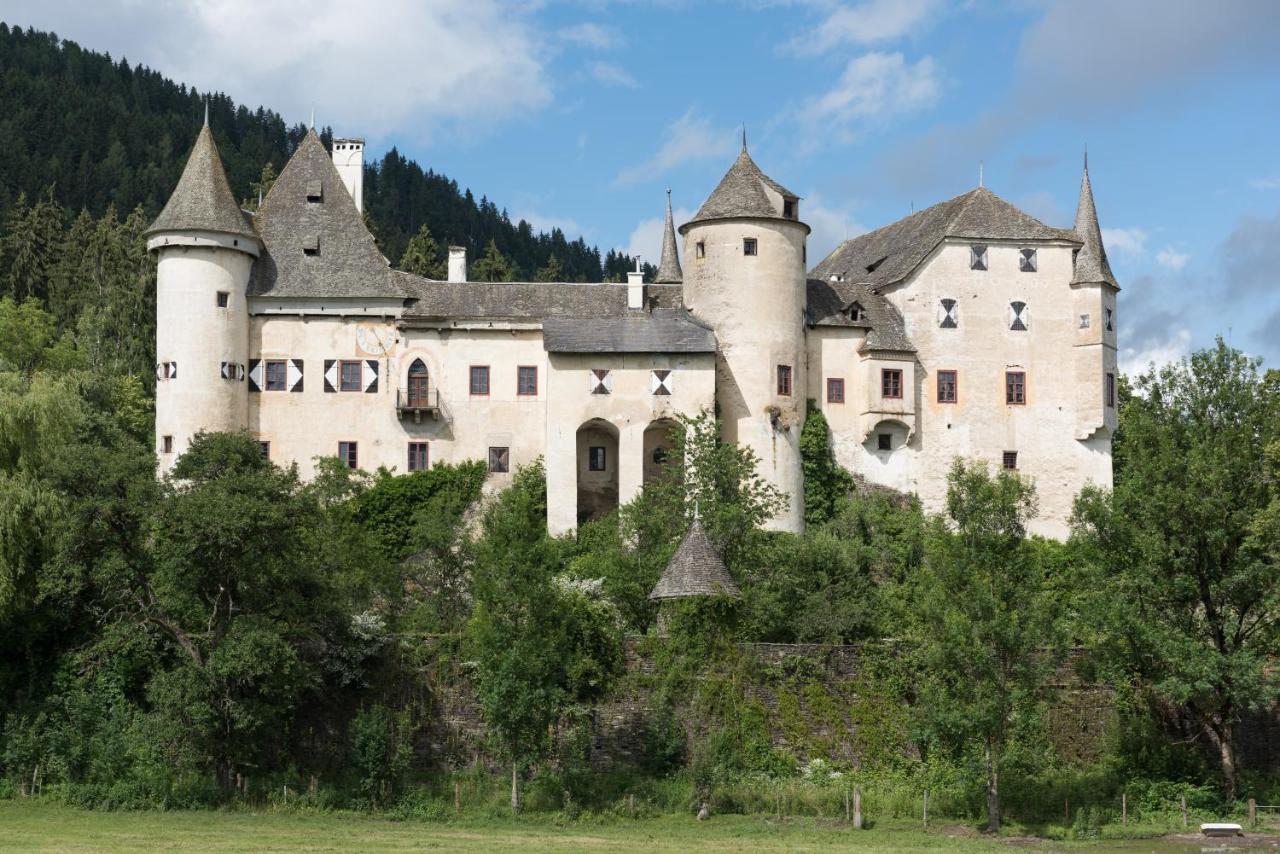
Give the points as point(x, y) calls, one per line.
point(665, 330)
point(694, 570)
point(430, 299)
point(203, 201)
point(828, 304)
point(1092, 265)
point(347, 262)
point(741, 193)
point(890, 254)
point(669, 271)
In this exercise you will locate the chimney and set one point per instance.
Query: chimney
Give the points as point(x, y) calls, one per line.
point(635, 287)
point(348, 157)
point(457, 263)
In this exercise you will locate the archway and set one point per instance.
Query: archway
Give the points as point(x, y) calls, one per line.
point(659, 440)
point(597, 460)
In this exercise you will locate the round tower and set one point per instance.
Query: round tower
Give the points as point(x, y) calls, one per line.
point(205, 247)
point(744, 275)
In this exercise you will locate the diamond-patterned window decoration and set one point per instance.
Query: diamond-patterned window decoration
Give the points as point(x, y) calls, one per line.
point(977, 257)
point(660, 382)
point(1027, 260)
point(601, 381)
point(1109, 314)
point(1019, 316)
point(1084, 321)
point(948, 314)
point(233, 371)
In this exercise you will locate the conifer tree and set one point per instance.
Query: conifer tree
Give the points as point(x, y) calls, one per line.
point(494, 266)
point(422, 256)
point(552, 272)
point(33, 236)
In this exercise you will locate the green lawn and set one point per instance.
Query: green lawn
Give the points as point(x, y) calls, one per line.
point(34, 826)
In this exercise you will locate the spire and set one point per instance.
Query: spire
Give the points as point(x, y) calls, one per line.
point(669, 272)
point(1091, 265)
point(744, 137)
point(980, 165)
point(203, 201)
point(206, 110)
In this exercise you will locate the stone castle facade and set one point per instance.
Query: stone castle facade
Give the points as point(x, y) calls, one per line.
point(967, 329)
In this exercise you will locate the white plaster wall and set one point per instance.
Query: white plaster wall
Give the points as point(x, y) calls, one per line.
point(192, 331)
point(756, 307)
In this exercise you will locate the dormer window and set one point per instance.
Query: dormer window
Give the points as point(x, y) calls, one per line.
point(789, 209)
point(871, 268)
point(977, 257)
point(1027, 260)
point(315, 192)
point(749, 246)
point(857, 313)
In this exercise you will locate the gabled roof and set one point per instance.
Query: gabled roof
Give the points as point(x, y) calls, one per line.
point(669, 271)
point(1092, 265)
point(666, 330)
point(890, 254)
point(741, 193)
point(433, 300)
point(828, 303)
point(309, 204)
point(203, 201)
point(695, 570)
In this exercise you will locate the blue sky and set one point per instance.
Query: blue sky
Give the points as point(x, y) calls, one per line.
point(581, 114)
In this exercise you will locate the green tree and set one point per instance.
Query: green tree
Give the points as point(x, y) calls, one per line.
point(1185, 550)
point(423, 257)
point(493, 266)
point(259, 188)
point(985, 627)
point(552, 272)
point(29, 248)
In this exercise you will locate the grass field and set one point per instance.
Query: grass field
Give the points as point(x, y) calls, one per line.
point(33, 826)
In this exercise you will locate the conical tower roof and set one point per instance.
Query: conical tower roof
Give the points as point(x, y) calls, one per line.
point(694, 570)
point(669, 272)
point(1091, 261)
point(742, 193)
point(203, 200)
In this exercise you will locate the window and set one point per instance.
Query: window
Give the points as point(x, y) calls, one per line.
point(596, 458)
point(977, 257)
point(947, 386)
point(749, 246)
point(1015, 387)
point(601, 381)
point(499, 460)
point(527, 381)
point(1027, 260)
point(1010, 460)
point(419, 384)
point(949, 314)
point(265, 447)
point(350, 379)
point(884, 441)
point(224, 299)
point(700, 249)
point(167, 370)
point(418, 456)
point(857, 313)
point(835, 390)
point(277, 376)
point(348, 453)
point(784, 380)
point(890, 382)
point(479, 380)
point(1110, 325)
point(166, 444)
point(789, 209)
point(1084, 321)
point(1111, 390)
point(659, 455)
point(1019, 316)
point(660, 382)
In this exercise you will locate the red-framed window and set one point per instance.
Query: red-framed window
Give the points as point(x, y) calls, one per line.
point(891, 382)
point(527, 381)
point(350, 376)
point(948, 386)
point(835, 390)
point(1015, 388)
point(419, 456)
point(479, 380)
point(784, 380)
point(349, 453)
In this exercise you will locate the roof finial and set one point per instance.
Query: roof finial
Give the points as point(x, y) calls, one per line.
point(744, 137)
point(313, 118)
point(1086, 157)
point(206, 110)
point(980, 165)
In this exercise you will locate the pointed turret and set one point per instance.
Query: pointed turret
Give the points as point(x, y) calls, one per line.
point(1091, 261)
point(203, 202)
point(669, 272)
point(746, 192)
point(696, 569)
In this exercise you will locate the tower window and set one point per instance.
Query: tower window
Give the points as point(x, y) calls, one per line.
point(499, 460)
point(418, 456)
point(749, 246)
point(700, 249)
point(527, 381)
point(835, 390)
point(891, 383)
point(784, 380)
point(349, 454)
point(1027, 260)
point(789, 209)
point(166, 444)
point(351, 377)
point(1108, 314)
point(1010, 460)
point(884, 441)
point(978, 257)
point(1015, 388)
point(948, 386)
point(224, 299)
point(1111, 390)
point(479, 380)
point(596, 458)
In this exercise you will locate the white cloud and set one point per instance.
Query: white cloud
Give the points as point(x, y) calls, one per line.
point(1158, 352)
point(690, 137)
point(592, 35)
point(872, 86)
point(831, 226)
point(867, 23)
point(646, 237)
point(612, 75)
point(415, 67)
point(1172, 259)
point(1125, 241)
point(1271, 182)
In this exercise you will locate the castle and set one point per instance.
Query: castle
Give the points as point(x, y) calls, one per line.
point(966, 329)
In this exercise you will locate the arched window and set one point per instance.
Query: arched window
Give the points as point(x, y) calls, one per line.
point(419, 384)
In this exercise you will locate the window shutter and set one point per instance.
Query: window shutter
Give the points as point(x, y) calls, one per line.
point(330, 375)
point(293, 375)
point(227, 370)
point(601, 381)
point(255, 375)
point(162, 368)
point(371, 376)
point(173, 370)
point(1019, 316)
point(948, 314)
point(660, 382)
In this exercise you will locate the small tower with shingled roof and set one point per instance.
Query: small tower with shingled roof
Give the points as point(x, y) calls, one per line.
point(695, 571)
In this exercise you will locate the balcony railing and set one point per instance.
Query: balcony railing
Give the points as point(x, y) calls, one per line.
point(417, 400)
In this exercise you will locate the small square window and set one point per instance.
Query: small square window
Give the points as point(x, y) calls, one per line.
point(947, 386)
point(499, 460)
point(748, 246)
point(884, 441)
point(166, 444)
point(1111, 390)
point(835, 390)
point(349, 454)
point(265, 447)
point(596, 458)
point(1027, 260)
point(1015, 388)
point(277, 376)
point(700, 249)
point(1010, 460)
point(784, 380)
point(351, 379)
point(479, 380)
point(890, 382)
point(1084, 321)
point(977, 257)
point(224, 299)
point(418, 456)
point(527, 381)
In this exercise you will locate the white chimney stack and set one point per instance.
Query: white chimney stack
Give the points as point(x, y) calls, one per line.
point(457, 263)
point(348, 157)
point(635, 290)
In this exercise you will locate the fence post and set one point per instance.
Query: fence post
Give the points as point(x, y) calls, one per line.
point(857, 808)
point(1253, 813)
point(847, 815)
point(926, 809)
point(1183, 803)
point(1124, 809)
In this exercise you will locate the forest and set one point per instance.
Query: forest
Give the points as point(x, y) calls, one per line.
point(232, 634)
